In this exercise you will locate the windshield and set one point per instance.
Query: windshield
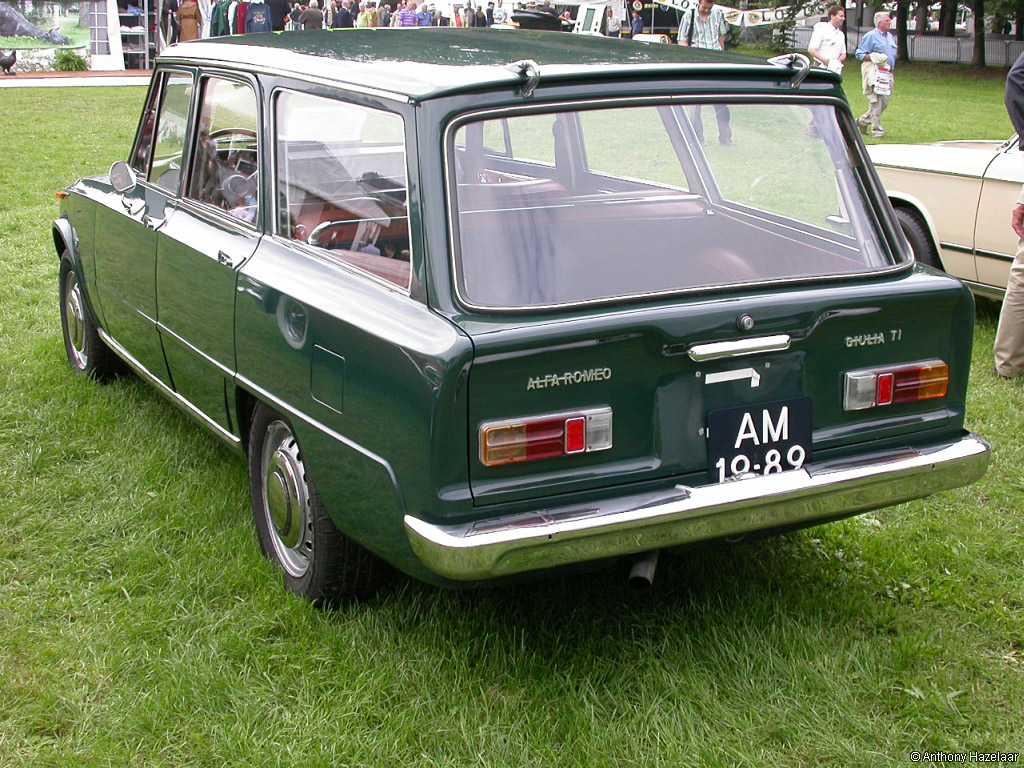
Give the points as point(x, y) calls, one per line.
point(590, 204)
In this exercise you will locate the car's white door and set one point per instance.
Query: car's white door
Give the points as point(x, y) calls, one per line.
point(994, 240)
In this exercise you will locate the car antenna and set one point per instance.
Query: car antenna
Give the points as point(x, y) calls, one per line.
point(529, 72)
point(798, 64)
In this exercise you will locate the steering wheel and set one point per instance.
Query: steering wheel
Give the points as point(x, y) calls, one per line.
point(237, 186)
point(233, 132)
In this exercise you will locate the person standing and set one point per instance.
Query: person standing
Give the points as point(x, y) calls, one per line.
point(637, 26)
point(614, 23)
point(278, 13)
point(705, 27)
point(190, 20)
point(385, 15)
point(828, 41)
point(312, 18)
point(343, 18)
point(1009, 347)
point(877, 51)
point(407, 16)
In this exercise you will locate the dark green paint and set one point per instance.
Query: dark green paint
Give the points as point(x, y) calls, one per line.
point(385, 389)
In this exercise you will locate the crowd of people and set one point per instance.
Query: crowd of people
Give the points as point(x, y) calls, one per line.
point(346, 14)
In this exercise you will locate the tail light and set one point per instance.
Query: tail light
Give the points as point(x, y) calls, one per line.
point(875, 387)
point(545, 437)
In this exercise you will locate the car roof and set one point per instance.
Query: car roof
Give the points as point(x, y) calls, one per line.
point(438, 61)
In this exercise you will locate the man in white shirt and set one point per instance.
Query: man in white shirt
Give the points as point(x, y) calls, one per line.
point(828, 41)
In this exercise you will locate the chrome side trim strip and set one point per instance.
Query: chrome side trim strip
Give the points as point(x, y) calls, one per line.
point(819, 492)
point(955, 247)
point(989, 291)
point(994, 255)
point(281, 405)
point(195, 350)
point(169, 393)
point(716, 350)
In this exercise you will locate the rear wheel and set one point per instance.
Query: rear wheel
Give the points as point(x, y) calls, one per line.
point(86, 352)
point(918, 237)
point(295, 532)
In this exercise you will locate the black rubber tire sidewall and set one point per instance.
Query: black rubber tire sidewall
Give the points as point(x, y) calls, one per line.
point(101, 363)
point(918, 237)
point(339, 569)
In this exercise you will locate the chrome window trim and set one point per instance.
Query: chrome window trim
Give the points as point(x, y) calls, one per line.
point(291, 74)
point(186, 149)
point(902, 262)
point(201, 206)
point(271, 230)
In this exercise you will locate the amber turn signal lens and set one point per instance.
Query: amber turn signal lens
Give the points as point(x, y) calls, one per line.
point(60, 194)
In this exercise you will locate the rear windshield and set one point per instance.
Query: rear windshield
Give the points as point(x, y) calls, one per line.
point(582, 205)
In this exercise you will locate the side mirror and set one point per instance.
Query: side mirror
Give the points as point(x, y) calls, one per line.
point(122, 177)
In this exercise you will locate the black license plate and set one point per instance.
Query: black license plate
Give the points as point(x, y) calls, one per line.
point(761, 439)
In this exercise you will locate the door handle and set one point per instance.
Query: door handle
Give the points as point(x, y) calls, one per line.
point(152, 222)
point(225, 259)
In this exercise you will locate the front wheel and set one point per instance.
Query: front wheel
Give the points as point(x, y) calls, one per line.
point(86, 352)
point(295, 532)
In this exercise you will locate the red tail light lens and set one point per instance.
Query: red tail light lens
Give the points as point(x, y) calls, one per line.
point(909, 383)
point(545, 437)
point(927, 381)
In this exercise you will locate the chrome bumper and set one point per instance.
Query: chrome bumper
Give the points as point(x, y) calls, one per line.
point(818, 492)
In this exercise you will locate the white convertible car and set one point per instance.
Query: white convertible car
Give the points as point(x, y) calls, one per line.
point(953, 200)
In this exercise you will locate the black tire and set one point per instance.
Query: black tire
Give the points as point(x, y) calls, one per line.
point(87, 354)
point(918, 237)
point(295, 532)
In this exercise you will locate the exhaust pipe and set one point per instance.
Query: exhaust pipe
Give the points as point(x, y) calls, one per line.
point(641, 575)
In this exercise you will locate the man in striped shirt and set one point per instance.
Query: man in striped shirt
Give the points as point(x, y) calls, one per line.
point(705, 27)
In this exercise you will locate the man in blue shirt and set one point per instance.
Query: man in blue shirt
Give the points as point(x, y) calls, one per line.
point(877, 51)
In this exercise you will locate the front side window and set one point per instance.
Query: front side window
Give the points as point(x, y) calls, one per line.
point(225, 171)
point(171, 127)
point(341, 183)
point(594, 204)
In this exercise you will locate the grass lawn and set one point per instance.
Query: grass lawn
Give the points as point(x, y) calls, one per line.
point(139, 624)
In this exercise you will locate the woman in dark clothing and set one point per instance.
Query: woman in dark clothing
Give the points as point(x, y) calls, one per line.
point(312, 17)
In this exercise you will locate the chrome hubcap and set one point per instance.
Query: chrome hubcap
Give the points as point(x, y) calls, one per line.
point(286, 500)
point(74, 317)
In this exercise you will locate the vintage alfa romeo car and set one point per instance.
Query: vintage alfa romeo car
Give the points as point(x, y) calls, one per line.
point(474, 316)
point(953, 200)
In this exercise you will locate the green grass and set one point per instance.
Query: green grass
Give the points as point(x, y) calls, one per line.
point(140, 626)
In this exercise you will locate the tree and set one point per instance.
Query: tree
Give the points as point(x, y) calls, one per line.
point(947, 18)
point(902, 13)
point(921, 17)
point(978, 8)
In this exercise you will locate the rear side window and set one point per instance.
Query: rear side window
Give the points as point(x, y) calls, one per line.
point(341, 183)
point(225, 171)
point(171, 127)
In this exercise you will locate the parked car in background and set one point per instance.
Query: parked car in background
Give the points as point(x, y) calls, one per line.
point(953, 200)
point(456, 329)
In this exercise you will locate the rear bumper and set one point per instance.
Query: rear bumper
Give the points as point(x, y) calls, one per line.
point(818, 492)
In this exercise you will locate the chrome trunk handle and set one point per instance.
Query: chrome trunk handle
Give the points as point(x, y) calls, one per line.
point(717, 350)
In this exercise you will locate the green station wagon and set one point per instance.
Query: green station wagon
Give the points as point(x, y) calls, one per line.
point(477, 303)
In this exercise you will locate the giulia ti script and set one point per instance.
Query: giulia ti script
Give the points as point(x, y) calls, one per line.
point(569, 377)
point(874, 339)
